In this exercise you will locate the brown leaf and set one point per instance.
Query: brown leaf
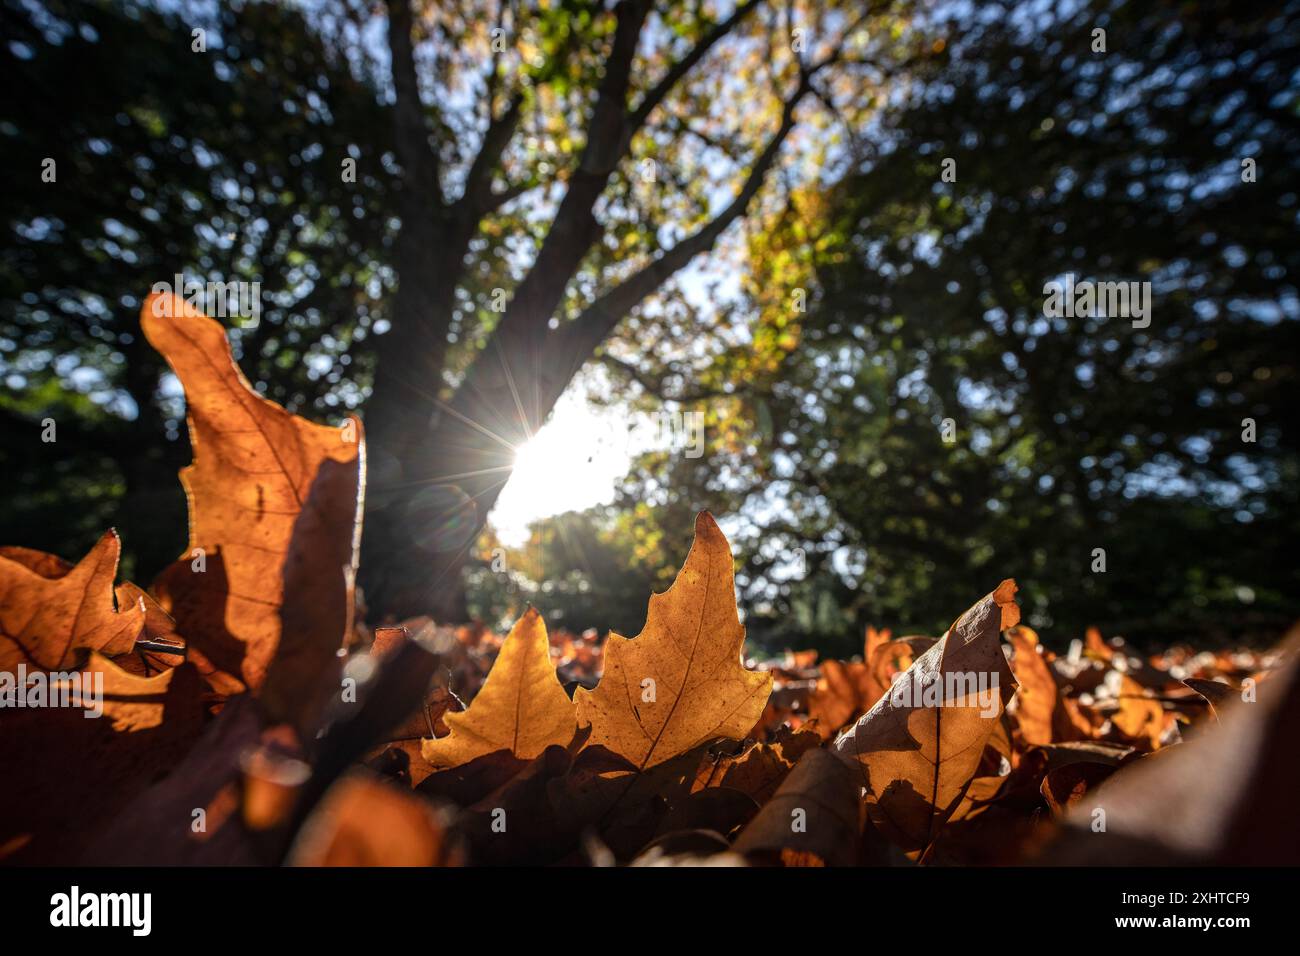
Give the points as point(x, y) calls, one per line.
point(1138, 718)
point(719, 809)
point(274, 512)
point(759, 769)
point(159, 646)
point(468, 783)
point(363, 821)
point(56, 619)
point(1096, 646)
point(521, 708)
point(52, 614)
point(812, 820)
point(159, 827)
point(603, 792)
point(54, 759)
point(918, 749)
point(1064, 787)
point(887, 660)
point(840, 696)
point(1226, 798)
point(516, 823)
point(1070, 722)
point(874, 638)
point(1093, 751)
point(680, 683)
point(1035, 701)
point(1214, 693)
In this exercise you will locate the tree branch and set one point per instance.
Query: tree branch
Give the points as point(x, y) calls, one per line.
point(478, 182)
point(573, 344)
point(656, 94)
point(658, 386)
point(419, 160)
point(505, 363)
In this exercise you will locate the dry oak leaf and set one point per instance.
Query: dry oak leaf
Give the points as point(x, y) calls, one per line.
point(365, 821)
point(53, 614)
point(1138, 717)
point(811, 820)
point(891, 658)
point(1213, 692)
point(263, 593)
point(53, 758)
point(759, 769)
point(1036, 694)
point(1064, 787)
point(59, 618)
point(680, 683)
point(1096, 646)
point(842, 691)
point(916, 753)
point(874, 638)
point(1226, 798)
point(521, 708)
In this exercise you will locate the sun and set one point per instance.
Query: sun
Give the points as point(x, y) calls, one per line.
point(574, 461)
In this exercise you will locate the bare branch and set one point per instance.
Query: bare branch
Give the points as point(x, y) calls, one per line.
point(478, 181)
point(419, 160)
point(573, 344)
point(656, 94)
point(574, 226)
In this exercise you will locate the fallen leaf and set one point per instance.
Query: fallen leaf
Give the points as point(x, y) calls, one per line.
point(521, 709)
point(889, 659)
point(918, 748)
point(363, 821)
point(1096, 646)
point(1065, 787)
point(1139, 717)
point(603, 792)
point(874, 638)
point(759, 769)
point(844, 691)
point(811, 820)
point(1070, 722)
point(1226, 798)
point(1213, 692)
point(99, 766)
point(719, 809)
point(52, 614)
point(263, 593)
point(680, 683)
point(1035, 701)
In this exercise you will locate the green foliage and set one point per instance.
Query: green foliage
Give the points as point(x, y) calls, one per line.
point(1070, 434)
point(585, 568)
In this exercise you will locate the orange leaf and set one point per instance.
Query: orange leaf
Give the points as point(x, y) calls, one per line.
point(1036, 696)
point(680, 683)
point(264, 592)
point(52, 615)
point(521, 709)
point(812, 820)
point(919, 747)
point(364, 821)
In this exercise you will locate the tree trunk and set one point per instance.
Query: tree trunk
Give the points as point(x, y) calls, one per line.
point(436, 469)
point(418, 538)
point(410, 359)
